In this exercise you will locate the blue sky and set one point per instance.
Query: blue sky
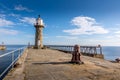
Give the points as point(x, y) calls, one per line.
point(84, 22)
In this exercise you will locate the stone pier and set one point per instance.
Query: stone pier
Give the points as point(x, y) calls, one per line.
point(47, 64)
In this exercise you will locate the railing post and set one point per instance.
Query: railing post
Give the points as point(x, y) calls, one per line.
point(100, 50)
point(12, 59)
point(20, 52)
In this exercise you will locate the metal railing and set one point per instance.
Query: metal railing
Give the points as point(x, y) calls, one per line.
point(93, 51)
point(83, 49)
point(14, 56)
point(64, 48)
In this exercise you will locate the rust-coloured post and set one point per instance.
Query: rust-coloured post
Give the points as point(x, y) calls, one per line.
point(76, 56)
point(117, 60)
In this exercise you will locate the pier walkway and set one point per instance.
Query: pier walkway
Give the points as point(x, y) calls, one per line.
point(48, 64)
point(53, 65)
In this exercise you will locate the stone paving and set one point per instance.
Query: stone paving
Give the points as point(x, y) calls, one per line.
point(47, 64)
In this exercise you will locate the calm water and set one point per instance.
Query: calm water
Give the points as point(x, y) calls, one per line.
point(6, 60)
point(10, 48)
point(111, 52)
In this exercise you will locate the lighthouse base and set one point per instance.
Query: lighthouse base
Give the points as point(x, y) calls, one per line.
point(38, 47)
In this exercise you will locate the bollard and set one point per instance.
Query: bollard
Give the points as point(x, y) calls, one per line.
point(76, 56)
point(118, 60)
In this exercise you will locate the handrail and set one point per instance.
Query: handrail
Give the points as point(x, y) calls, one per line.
point(10, 52)
point(84, 49)
point(13, 60)
point(93, 51)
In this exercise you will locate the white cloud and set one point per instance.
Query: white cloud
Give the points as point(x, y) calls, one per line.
point(118, 32)
point(109, 37)
point(67, 37)
point(4, 22)
point(14, 15)
point(2, 15)
point(8, 31)
point(22, 8)
point(28, 20)
point(85, 25)
point(118, 36)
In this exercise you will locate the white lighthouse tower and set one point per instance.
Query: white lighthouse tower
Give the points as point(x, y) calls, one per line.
point(38, 35)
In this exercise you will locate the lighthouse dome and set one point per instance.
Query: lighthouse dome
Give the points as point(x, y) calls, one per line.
point(39, 21)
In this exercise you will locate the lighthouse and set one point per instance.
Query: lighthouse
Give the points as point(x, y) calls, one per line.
point(38, 34)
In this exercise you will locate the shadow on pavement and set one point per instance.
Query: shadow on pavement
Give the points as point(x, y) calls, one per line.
point(54, 63)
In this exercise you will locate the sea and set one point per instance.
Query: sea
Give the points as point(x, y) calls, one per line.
point(110, 53)
point(7, 60)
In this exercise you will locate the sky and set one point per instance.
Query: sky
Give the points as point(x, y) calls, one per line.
point(67, 22)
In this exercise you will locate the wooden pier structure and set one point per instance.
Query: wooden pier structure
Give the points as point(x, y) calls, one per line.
point(93, 51)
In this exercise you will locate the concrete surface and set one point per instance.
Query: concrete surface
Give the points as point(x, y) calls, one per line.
point(46, 64)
